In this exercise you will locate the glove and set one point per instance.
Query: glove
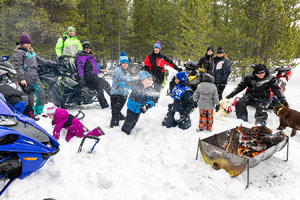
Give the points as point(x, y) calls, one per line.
point(60, 58)
point(143, 108)
point(195, 105)
point(228, 97)
point(285, 103)
point(81, 82)
point(56, 135)
point(179, 69)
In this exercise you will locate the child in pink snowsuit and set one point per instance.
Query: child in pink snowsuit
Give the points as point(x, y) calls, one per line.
point(62, 119)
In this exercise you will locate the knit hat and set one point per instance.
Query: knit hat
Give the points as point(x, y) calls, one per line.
point(71, 28)
point(220, 50)
point(25, 39)
point(259, 69)
point(86, 44)
point(123, 58)
point(157, 45)
point(182, 76)
point(143, 75)
point(210, 49)
point(51, 111)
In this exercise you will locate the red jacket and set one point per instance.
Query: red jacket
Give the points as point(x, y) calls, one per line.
point(155, 64)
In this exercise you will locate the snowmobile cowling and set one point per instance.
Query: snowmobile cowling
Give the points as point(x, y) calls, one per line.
point(24, 145)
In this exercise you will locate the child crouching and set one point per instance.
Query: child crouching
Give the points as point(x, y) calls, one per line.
point(206, 97)
point(62, 119)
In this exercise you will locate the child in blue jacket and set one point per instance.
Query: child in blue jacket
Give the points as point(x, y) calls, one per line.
point(142, 98)
point(119, 94)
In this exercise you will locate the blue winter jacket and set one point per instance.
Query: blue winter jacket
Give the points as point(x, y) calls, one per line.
point(222, 70)
point(118, 77)
point(140, 96)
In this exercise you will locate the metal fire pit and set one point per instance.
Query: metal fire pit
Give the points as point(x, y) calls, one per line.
point(214, 153)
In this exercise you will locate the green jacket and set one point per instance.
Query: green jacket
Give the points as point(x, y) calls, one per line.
point(71, 46)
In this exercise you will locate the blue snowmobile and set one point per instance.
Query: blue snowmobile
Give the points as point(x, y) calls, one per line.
point(24, 146)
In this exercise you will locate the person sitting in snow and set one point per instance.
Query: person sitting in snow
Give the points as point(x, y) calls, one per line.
point(142, 97)
point(88, 74)
point(119, 94)
point(260, 84)
point(62, 119)
point(206, 96)
point(183, 105)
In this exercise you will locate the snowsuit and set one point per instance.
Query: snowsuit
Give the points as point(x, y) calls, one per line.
point(206, 97)
point(221, 72)
point(183, 104)
point(118, 95)
point(88, 73)
point(139, 96)
point(154, 64)
point(258, 95)
point(70, 47)
point(206, 62)
point(26, 65)
point(62, 119)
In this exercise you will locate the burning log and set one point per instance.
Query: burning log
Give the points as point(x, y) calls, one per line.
point(251, 142)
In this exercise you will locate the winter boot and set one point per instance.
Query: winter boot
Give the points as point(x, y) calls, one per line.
point(95, 132)
point(101, 131)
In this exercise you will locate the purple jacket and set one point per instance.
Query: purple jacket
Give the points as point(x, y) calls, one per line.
point(82, 58)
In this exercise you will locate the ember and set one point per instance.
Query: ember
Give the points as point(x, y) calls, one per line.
point(251, 142)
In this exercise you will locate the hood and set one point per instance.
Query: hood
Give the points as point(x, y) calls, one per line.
point(208, 78)
point(66, 35)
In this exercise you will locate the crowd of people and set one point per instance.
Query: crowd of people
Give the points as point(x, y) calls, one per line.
point(141, 93)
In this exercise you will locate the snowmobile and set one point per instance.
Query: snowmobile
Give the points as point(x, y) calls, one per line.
point(60, 82)
point(24, 146)
point(8, 73)
point(195, 75)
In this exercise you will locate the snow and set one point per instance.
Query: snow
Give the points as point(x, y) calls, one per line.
point(158, 163)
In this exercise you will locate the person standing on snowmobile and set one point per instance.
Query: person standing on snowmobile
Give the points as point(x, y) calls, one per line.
point(119, 94)
point(183, 105)
point(221, 71)
point(260, 84)
point(26, 64)
point(68, 46)
point(206, 62)
point(62, 119)
point(155, 65)
point(88, 74)
point(142, 97)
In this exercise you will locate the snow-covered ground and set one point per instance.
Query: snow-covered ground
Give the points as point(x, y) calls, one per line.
point(156, 163)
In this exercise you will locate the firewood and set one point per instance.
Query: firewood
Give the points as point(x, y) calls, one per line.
point(233, 142)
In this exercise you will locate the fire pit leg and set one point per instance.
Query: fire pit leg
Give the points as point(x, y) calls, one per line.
point(287, 149)
point(248, 173)
point(198, 148)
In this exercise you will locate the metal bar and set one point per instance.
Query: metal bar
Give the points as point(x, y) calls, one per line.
point(248, 173)
point(6, 186)
point(198, 149)
point(287, 150)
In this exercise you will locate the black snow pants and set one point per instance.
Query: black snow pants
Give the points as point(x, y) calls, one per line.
point(117, 102)
point(220, 88)
point(260, 104)
point(94, 82)
point(130, 121)
point(169, 120)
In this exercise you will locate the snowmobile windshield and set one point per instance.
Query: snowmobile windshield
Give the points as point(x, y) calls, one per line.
point(5, 109)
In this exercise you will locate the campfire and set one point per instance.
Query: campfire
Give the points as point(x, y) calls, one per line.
point(251, 142)
point(235, 149)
